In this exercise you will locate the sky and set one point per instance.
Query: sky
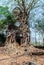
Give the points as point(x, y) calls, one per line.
point(38, 12)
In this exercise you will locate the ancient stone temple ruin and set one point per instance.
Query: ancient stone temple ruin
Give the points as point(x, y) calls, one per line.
point(19, 35)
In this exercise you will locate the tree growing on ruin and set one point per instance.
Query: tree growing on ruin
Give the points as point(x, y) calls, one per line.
point(22, 13)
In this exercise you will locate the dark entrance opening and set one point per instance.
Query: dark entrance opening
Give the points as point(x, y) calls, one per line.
point(18, 38)
point(30, 63)
point(2, 40)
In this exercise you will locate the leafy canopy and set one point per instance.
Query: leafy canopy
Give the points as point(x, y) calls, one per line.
point(8, 17)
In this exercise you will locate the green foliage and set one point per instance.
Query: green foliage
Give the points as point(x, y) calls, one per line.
point(9, 17)
point(3, 10)
point(2, 24)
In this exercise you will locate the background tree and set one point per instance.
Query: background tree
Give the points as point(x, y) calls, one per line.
point(40, 27)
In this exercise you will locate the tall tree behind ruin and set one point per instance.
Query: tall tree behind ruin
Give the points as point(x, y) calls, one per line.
point(22, 11)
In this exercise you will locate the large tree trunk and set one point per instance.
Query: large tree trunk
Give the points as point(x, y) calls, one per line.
point(24, 29)
point(26, 32)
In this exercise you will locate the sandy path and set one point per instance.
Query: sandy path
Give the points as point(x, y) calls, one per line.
point(18, 58)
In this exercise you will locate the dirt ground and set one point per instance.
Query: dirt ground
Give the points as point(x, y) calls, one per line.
point(20, 55)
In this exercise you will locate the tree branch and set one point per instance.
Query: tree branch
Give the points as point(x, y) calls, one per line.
point(31, 6)
point(23, 4)
point(19, 4)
